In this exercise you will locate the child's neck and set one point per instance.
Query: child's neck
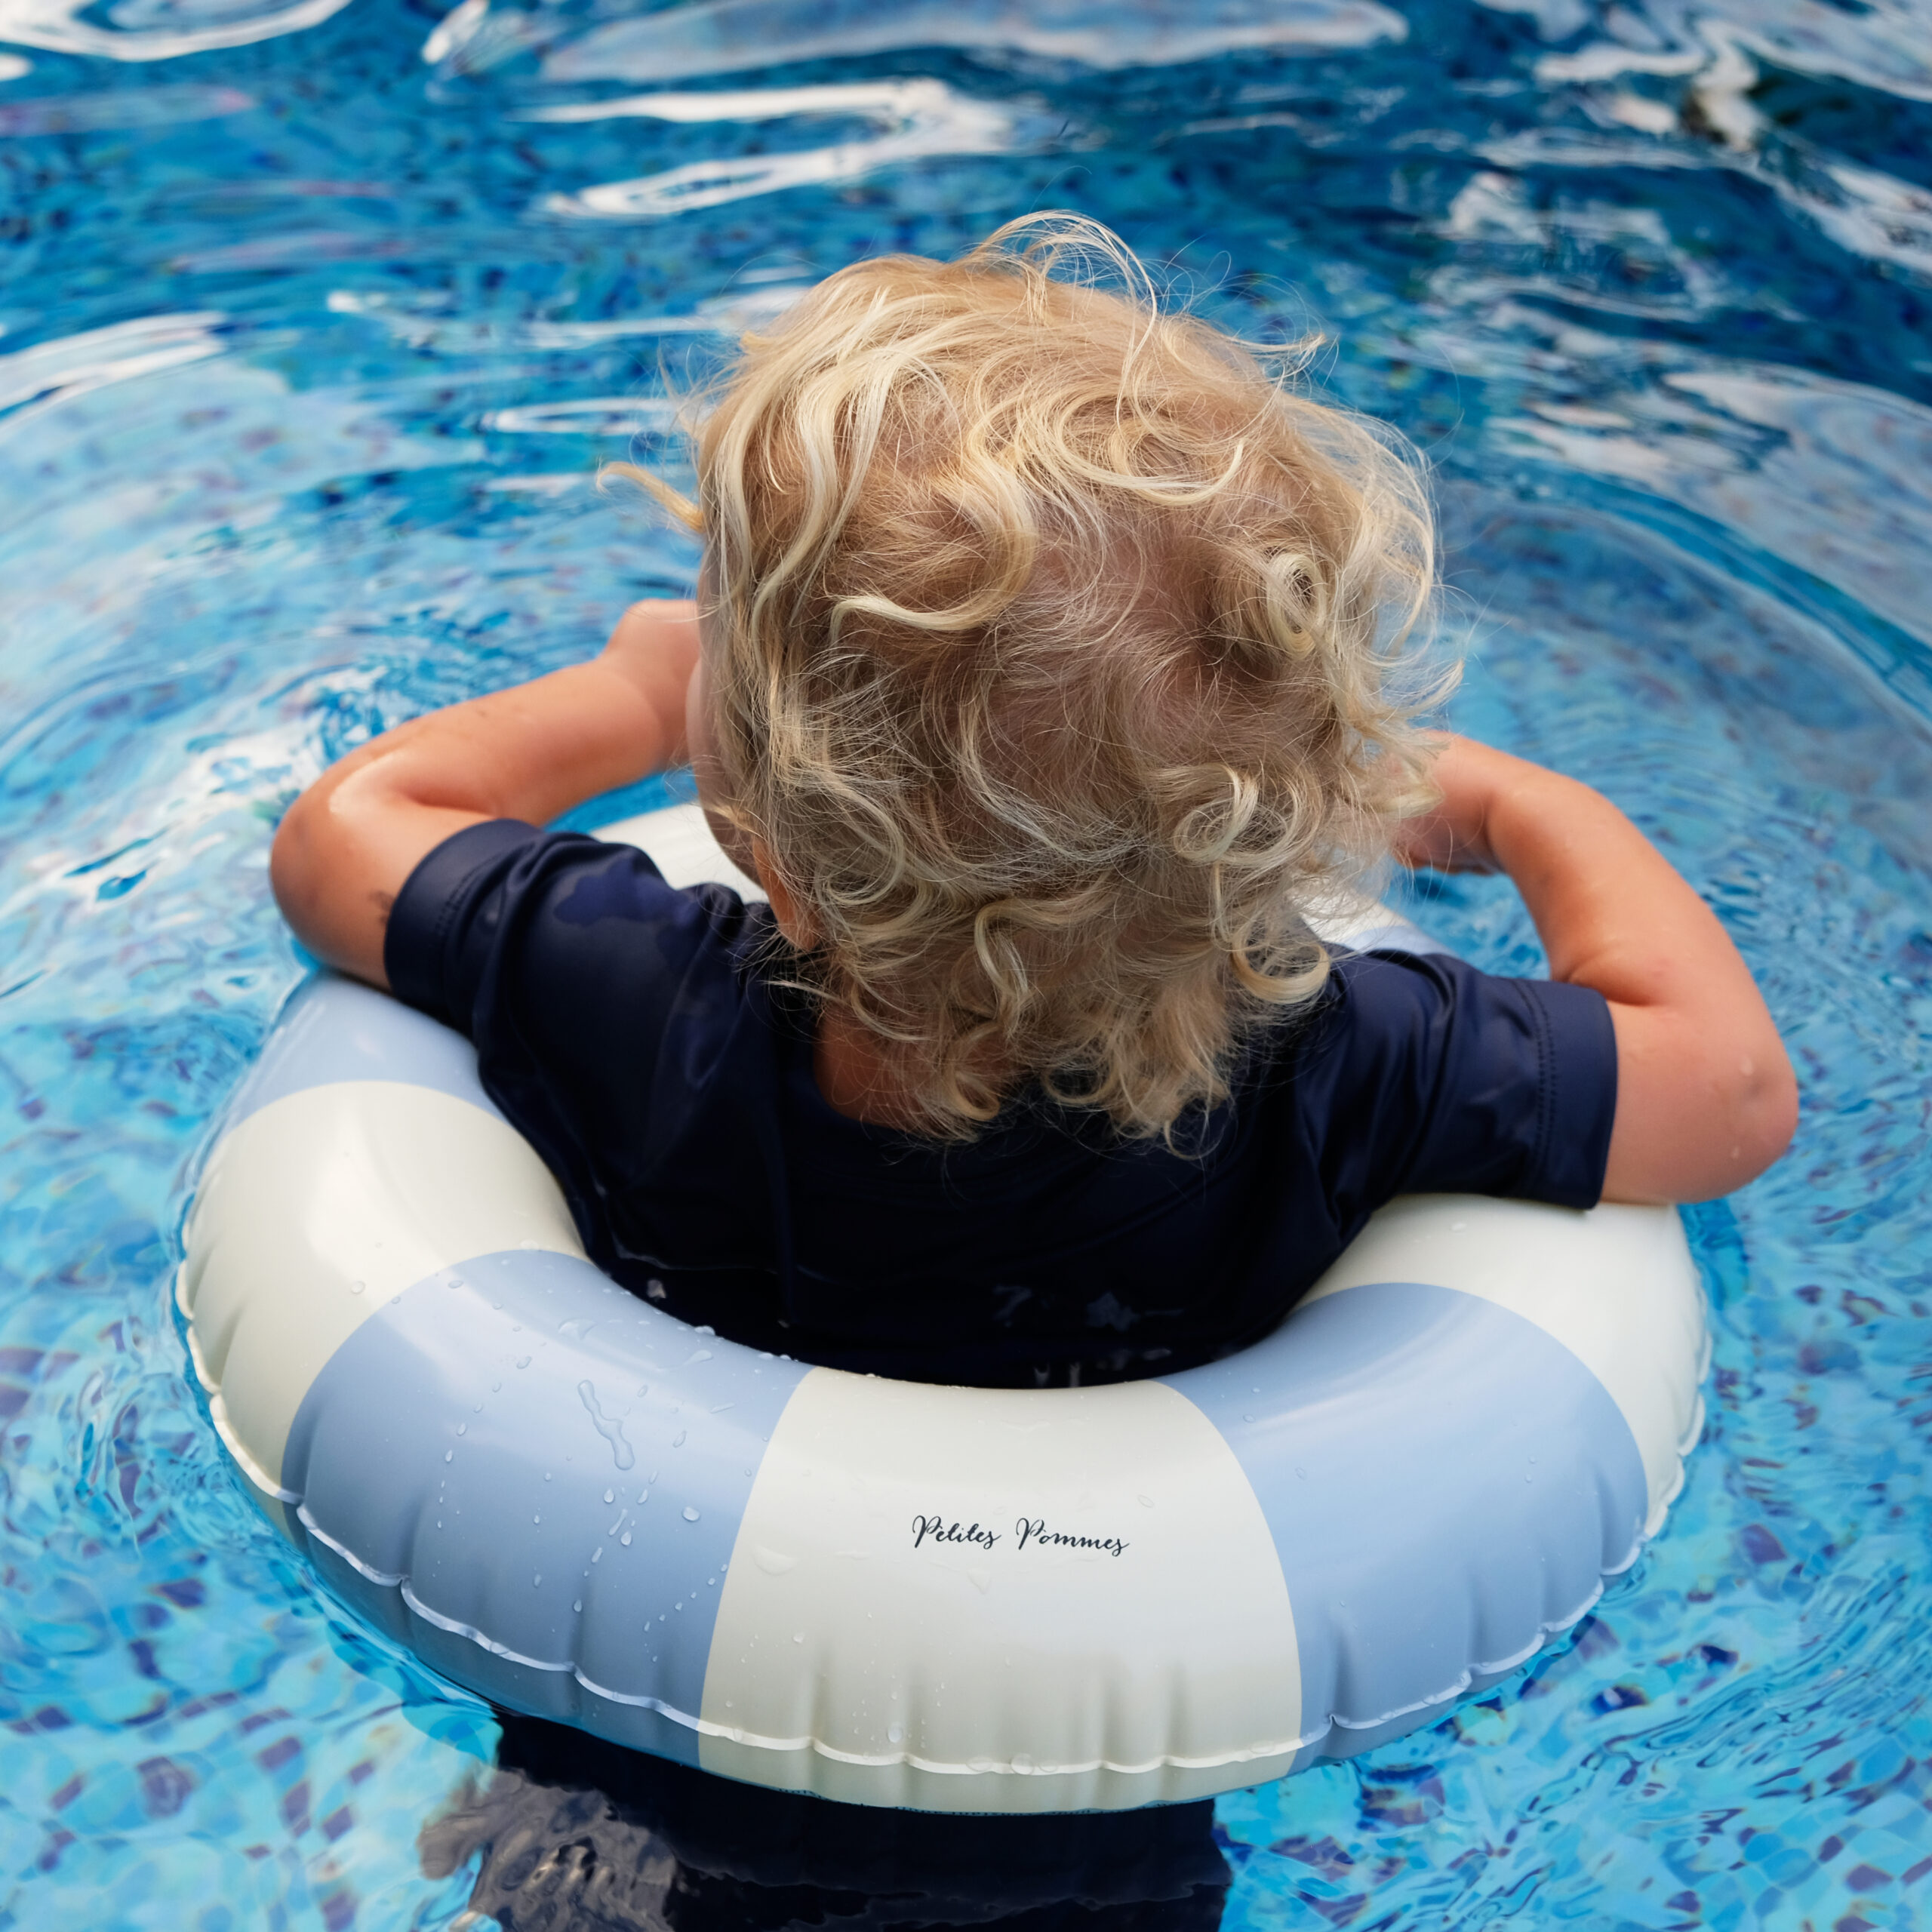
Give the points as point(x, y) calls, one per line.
point(859, 1076)
point(856, 1075)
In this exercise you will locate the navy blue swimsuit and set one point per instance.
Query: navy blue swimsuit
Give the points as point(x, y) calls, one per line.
point(624, 1027)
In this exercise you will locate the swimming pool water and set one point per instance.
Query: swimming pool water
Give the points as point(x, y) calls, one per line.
point(314, 320)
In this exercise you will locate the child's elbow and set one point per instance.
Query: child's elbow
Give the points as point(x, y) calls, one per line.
point(1768, 1111)
point(288, 867)
point(1758, 1119)
point(1701, 1110)
point(299, 871)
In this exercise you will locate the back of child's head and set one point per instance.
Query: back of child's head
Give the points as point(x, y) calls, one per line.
point(1055, 652)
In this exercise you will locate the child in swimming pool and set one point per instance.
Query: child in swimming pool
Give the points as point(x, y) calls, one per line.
point(1049, 668)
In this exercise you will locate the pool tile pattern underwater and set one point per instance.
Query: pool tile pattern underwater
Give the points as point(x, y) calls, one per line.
point(314, 321)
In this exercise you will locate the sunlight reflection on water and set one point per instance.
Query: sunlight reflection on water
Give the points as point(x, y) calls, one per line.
point(315, 323)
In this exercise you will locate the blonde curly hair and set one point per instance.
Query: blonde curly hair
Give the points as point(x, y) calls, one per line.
point(1060, 654)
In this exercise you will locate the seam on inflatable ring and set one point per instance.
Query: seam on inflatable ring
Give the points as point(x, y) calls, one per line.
point(1337, 1722)
point(252, 1469)
point(1692, 1434)
point(218, 1411)
point(197, 1361)
point(1657, 1519)
point(1693, 1430)
point(450, 1623)
point(985, 1766)
point(1503, 1666)
point(1500, 1667)
point(384, 1577)
point(977, 1767)
point(709, 1727)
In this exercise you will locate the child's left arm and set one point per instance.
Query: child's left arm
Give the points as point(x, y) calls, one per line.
point(350, 842)
point(1706, 1097)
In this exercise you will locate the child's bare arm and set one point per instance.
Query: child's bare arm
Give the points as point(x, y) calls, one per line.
point(1707, 1099)
point(352, 839)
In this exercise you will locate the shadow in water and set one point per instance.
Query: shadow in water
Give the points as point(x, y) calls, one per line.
point(578, 1835)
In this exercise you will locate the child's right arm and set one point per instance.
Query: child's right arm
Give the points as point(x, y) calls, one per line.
point(349, 842)
point(1707, 1099)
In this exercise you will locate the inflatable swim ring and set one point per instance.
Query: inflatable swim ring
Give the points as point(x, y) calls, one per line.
point(945, 1599)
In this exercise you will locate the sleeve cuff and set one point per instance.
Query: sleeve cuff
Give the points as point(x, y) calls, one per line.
point(1579, 1090)
point(416, 952)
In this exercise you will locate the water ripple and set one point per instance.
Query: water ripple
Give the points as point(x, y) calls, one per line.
point(727, 36)
point(309, 351)
point(913, 120)
point(155, 29)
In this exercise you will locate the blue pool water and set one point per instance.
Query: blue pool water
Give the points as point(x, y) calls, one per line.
point(314, 320)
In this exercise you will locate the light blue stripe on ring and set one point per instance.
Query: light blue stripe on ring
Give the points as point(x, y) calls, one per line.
point(1446, 1485)
point(517, 1446)
point(334, 1028)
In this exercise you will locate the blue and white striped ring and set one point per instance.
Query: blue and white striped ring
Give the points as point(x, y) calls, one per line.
point(944, 1599)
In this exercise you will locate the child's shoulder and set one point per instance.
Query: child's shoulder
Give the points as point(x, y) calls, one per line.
point(563, 935)
point(1421, 1066)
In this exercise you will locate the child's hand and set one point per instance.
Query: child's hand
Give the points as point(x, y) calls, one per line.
point(1707, 1099)
point(1454, 837)
point(350, 843)
point(654, 647)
